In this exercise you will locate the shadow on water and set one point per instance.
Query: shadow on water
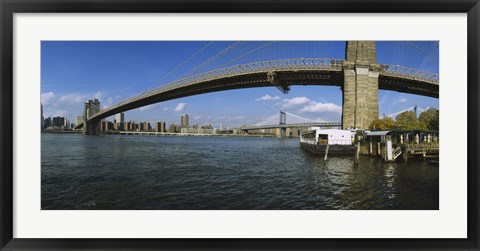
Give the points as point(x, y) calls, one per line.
point(139, 172)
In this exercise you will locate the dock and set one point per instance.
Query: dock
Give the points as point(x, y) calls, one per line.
point(391, 152)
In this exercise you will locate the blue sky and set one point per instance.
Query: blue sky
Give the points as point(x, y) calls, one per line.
point(75, 71)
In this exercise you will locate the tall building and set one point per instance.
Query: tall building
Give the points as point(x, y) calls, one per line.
point(184, 120)
point(78, 120)
point(173, 128)
point(119, 118)
point(119, 126)
point(127, 126)
point(60, 122)
point(47, 122)
point(145, 126)
point(160, 127)
point(104, 125)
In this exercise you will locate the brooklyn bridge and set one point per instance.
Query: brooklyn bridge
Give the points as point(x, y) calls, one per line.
point(358, 75)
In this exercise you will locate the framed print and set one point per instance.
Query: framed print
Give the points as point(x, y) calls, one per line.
point(239, 125)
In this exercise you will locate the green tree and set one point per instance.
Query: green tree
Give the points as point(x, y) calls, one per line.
point(408, 121)
point(430, 119)
point(382, 124)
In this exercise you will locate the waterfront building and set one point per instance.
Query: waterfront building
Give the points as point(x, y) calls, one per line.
point(184, 120)
point(78, 120)
point(107, 125)
point(120, 126)
point(145, 126)
point(47, 122)
point(60, 122)
point(127, 125)
point(104, 125)
point(119, 117)
point(174, 128)
point(160, 126)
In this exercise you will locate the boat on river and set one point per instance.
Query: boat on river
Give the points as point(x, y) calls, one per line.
point(328, 141)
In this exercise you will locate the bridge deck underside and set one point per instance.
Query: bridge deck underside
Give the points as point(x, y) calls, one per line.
point(408, 86)
point(237, 82)
point(261, 79)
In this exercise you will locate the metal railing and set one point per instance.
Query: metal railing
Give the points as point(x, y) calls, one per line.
point(410, 73)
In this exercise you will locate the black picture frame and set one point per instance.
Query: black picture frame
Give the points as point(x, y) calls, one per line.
point(9, 7)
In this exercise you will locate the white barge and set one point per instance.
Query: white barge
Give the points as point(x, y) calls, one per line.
point(328, 141)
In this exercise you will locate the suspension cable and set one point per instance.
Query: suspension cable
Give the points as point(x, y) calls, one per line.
point(422, 51)
point(213, 58)
point(248, 53)
point(186, 61)
point(293, 115)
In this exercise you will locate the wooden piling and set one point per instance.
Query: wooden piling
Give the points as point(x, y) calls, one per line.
point(357, 152)
point(326, 153)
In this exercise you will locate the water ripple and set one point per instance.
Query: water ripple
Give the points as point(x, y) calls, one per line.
point(139, 172)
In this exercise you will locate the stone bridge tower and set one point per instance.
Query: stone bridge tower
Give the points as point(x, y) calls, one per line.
point(89, 108)
point(360, 87)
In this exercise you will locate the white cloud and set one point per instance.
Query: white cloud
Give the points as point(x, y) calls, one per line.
point(98, 95)
point(70, 105)
point(79, 98)
point(267, 98)
point(47, 97)
point(197, 117)
point(321, 107)
point(307, 105)
point(61, 113)
point(180, 107)
point(290, 103)
point(403, 100)
point(165, 109)
point(74, 98)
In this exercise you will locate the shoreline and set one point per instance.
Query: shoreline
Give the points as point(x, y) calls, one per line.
point(162, 134)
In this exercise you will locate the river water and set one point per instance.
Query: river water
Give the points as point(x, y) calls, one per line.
point(151, 172)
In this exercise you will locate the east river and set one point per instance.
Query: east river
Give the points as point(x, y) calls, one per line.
point(151, 172)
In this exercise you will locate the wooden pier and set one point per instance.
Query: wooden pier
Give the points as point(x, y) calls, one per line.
point(403, 151)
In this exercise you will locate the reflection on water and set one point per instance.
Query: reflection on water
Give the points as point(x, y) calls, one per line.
point(146, 172)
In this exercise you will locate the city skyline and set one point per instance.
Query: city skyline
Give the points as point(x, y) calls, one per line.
point(73, 72)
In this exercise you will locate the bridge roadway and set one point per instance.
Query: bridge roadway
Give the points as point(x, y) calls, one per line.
point(281, 74)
